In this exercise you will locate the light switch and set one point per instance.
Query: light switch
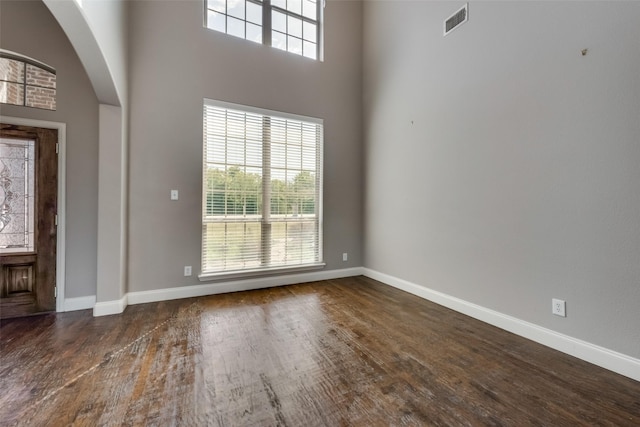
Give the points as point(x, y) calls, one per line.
point(174, 194)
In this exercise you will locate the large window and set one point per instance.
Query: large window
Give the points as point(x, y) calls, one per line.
point(262, 190)
point(291, 25)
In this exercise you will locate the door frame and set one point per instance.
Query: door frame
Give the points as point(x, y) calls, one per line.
point(62, 173)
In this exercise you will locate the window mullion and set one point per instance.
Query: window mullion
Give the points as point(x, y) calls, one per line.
point(24, 86)
point(319, 10)
point(226, 166)
point(265, 252)
point(266, 22)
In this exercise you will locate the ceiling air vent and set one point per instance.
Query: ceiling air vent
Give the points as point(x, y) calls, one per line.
point(457, 19)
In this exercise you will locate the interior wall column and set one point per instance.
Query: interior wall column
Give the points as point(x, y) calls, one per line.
point(112, 206)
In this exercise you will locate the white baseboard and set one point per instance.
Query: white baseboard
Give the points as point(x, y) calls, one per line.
point(142, 297)
point(79, 303)
point(600, 356)
point(107, 308)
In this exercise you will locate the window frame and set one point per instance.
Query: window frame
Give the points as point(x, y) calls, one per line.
point(265, 216)
point(267, 28)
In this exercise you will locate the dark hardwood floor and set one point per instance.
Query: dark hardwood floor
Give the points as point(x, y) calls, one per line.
point(347, 352)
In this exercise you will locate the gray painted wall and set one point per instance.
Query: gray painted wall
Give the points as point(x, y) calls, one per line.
point(502, 166)
point(108, 22)
point(27, 27)
point(174, 64)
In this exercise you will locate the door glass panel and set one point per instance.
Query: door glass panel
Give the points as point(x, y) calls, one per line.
point(17, 171)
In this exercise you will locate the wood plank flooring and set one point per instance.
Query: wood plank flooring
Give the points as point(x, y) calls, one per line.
point(347, 352)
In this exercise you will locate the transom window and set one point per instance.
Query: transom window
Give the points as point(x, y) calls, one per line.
point(290, 25)
point(27, 82)
point(262, 190)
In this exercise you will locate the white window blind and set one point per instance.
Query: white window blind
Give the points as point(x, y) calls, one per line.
point(262, 190)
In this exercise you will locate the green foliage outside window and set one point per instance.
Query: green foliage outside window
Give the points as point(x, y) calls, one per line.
point(236, 192)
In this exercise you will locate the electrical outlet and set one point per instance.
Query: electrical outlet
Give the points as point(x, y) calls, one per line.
point(345, 256)
point(187, 270)
point(558, 307)
point(174, 194)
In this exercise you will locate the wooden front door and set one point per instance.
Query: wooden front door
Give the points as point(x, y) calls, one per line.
point(28, 208)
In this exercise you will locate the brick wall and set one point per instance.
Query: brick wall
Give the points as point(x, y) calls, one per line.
point(41, 88)
point(40, 97)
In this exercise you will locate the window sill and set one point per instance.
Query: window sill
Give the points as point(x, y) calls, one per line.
point(244, 274)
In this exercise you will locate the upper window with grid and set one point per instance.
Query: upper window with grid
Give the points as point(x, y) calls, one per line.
point(290, 25)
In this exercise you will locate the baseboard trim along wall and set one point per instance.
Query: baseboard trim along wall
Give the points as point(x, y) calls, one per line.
point(238, 285)
point(110, 307)
point(600, 356)
point(79, 303)
point(142, 297)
